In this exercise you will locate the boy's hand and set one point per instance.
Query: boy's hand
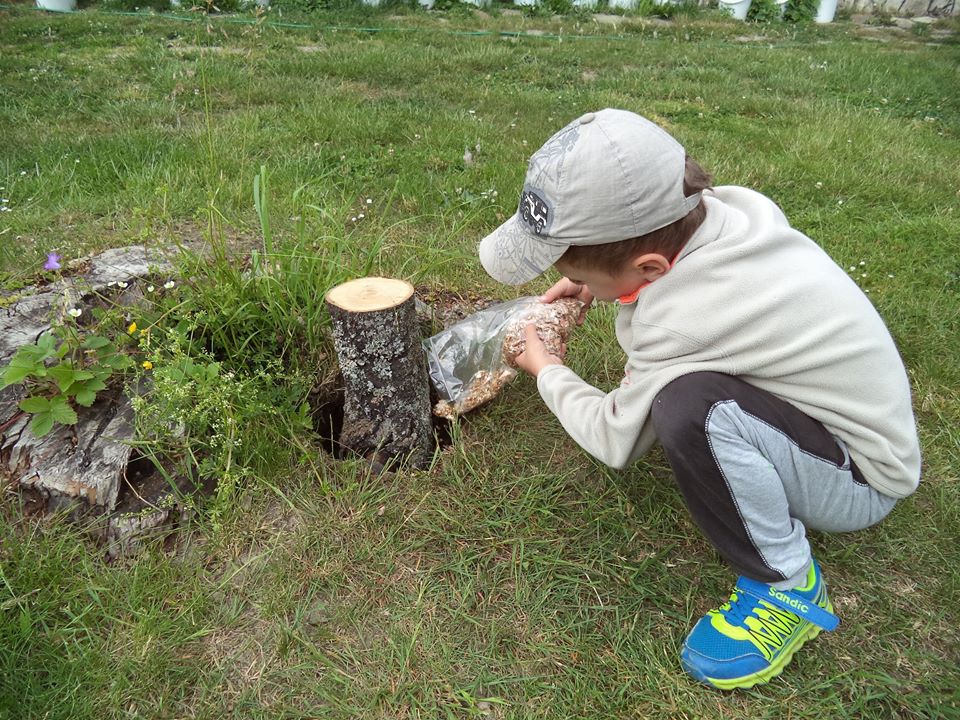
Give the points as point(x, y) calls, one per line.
point(535, 357)
point(566, 287)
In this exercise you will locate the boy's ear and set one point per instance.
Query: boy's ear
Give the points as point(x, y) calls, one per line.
point(651, 265)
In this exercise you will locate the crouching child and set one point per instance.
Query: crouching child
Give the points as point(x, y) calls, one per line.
point(766, 375)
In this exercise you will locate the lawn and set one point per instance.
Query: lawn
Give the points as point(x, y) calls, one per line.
point(516, 577)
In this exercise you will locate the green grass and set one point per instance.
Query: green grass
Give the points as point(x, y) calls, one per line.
point(516, 577)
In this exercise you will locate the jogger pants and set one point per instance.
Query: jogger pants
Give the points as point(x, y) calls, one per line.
point(755, 472)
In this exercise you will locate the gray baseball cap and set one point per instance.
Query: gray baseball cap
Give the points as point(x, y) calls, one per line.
point(607, 176)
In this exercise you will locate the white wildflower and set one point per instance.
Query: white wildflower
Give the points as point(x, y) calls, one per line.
point(150, 288)
point(121, 284)
point(74, 312)
point(169, 284)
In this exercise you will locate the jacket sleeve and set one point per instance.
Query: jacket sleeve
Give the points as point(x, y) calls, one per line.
point(614, 427)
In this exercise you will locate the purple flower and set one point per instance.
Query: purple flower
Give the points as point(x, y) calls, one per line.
point(53, 262)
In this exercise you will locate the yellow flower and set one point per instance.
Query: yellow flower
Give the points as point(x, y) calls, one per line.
point(147, 365)
point(132, 329)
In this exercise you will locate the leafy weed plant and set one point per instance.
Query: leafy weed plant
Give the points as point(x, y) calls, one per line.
point(763, 11)
point(800, 11)
point(64, 368)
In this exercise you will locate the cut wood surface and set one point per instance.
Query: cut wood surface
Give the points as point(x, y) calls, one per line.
point(386, 414)
point(370, 294)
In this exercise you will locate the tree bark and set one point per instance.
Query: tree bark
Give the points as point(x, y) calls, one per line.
point(386, 413)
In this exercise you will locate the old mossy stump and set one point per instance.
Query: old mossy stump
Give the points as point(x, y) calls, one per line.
point(386, 410)
point(87, 470)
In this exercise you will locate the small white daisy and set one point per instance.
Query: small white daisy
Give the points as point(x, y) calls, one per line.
point(169, 284)
point(150, 288)
point(74, 312)
point(121, 284)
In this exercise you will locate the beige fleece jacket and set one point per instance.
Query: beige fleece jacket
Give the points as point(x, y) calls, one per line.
point(752, 297)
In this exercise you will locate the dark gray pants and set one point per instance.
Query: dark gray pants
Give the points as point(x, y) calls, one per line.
point(755, 472)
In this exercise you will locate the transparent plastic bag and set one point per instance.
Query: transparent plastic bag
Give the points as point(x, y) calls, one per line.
point(469, 362)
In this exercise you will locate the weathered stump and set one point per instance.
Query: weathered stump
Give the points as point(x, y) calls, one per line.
point(386, 411)
point(84, 469)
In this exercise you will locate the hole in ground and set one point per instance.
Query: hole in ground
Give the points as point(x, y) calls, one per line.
point(144, 485)
point(327, 415)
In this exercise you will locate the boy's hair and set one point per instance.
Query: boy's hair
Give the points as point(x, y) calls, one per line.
point(612, 257)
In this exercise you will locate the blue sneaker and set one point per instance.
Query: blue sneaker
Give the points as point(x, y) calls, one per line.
point(751, 638)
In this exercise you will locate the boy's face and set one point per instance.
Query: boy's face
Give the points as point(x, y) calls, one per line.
point(601, 284)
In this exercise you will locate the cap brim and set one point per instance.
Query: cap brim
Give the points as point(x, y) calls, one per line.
point(513, 255)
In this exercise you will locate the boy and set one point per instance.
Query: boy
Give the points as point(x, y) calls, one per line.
point(765, 373)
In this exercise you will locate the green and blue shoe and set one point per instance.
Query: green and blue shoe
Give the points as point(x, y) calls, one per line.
point(751, 638)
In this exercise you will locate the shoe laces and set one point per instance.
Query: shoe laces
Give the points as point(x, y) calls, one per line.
point(741, 606)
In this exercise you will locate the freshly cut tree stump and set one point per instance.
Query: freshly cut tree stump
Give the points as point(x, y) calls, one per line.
point(386, 412)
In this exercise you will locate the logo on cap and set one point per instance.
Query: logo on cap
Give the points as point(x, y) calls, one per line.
point(534, 211)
